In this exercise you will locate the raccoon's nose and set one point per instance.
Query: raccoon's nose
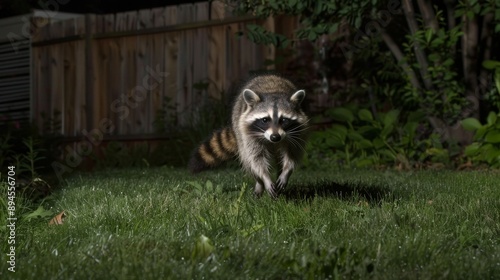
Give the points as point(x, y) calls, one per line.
point(275, 137)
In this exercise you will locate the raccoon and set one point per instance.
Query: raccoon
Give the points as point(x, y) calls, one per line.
point(267, 128)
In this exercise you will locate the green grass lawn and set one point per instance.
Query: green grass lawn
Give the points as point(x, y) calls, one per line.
point(164, 223)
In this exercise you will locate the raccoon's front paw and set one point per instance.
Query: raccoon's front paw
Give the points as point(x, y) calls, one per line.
point(272, 191)
point(281, 184)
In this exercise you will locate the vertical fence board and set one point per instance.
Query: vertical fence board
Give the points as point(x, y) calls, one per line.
point(121, 22)
point(183, 64)
point(133, 21)
point(56, 69)
point(217, 50)
point(232, 61)
point(69, 78)
point(139, 93)
point(79, 88)
point(98, 82)
point(269, 51)
point(109, 23)
point(188, 67)
point(145, 19)
point(157, 81)
point(99, 24)
point(114, 77)
point(170, 54)
point(129, 66)
point(200, 54)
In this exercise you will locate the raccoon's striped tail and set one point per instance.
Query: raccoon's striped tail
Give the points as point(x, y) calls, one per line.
point(220, 147)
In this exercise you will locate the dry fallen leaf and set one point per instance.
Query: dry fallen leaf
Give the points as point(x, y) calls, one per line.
point(58, 220)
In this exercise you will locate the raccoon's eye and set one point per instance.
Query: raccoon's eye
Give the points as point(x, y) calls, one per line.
point(264, 120)
point(284, 120)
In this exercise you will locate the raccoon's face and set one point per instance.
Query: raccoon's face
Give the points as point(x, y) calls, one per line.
point(274, 116)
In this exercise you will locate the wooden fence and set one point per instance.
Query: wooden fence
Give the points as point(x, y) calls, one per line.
point(115, 72)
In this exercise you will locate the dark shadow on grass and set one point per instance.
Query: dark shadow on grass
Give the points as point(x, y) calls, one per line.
point(373, 194)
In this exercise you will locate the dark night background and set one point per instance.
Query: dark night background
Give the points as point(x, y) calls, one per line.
point(10, 8)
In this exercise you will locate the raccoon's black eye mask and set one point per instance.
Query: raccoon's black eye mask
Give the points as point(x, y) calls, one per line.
point(284, 121)
point(290, 125)
point(261, 124)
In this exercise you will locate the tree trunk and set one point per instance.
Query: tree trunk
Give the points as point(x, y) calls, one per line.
point(428, 14)
point(470, 64)
point(419, 53)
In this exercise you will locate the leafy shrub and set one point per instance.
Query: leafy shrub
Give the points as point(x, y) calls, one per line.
point(360, 139)
point(486, 145)
point(443, 96)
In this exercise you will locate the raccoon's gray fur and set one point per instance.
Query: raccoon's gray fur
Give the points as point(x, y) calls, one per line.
point(267, 126)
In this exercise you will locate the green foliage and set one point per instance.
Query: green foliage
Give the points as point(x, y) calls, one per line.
point(207, 188)
point(474, 8)
point(24, 210)
point(39, 213)
point(27, 160)
point(260, 35)
point(360, 139)
point(33, 155)
point(486, 146)
point(445, 97)
point(29, 148)
point(325, 16)
point(319, 17)
point(23, 148)
point(494, 95)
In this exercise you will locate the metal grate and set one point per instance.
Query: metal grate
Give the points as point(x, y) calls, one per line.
point(14, 83)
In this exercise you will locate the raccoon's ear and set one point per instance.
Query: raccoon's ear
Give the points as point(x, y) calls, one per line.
point(250, 96)
point(298, 96)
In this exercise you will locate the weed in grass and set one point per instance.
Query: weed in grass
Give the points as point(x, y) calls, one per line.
point(31, 157)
